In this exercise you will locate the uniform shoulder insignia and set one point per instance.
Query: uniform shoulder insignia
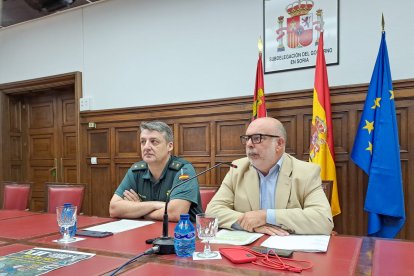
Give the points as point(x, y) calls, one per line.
point(175, 165)
point(141, 165)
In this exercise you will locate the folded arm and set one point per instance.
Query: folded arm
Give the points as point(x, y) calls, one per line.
point(174, 209)
point(131, 207)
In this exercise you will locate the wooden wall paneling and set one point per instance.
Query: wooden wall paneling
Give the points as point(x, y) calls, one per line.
point(206, 133)
point(212, 153)
point(402, 121)
point(69, 145)
point(68, 137)
point(403, 135)
point(305, 141)
point(120, 171)
point(84, 169)
point(349, 198)
point(68, 111)
point(176, 130)
point(289, 119)
point(99, 143)
point(204, 179)
point(194, 139)
point(15, 119)
point(112, 128)
point(228, 138)
point(99, 176)
point(340, 130)
point(42, 146)
point(4, 124)
point(70, 174)
point(39, 175)
point(127, 142)
point(16, 168)
point(409, 179)
point(41, 158)
point(68, 163)
point(404, 169)
point(221, 173)
point(16, 147)
point(41, 114)
point(341, 177)
point(16, 172)
point(353, 202)
point(100, 192)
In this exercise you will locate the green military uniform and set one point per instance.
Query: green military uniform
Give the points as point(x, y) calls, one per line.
point(139, 179)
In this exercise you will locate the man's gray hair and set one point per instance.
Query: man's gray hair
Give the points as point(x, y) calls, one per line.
point(160, 127)
point(282, 131)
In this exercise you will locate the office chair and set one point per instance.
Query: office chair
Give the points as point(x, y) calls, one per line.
point(206, 194)
point(16, 195)
point(58, 194)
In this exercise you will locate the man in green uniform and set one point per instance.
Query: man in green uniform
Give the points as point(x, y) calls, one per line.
point(144, 189)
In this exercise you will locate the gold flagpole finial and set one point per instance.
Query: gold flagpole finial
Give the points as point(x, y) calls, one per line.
point(260, 45)
point(383, 23)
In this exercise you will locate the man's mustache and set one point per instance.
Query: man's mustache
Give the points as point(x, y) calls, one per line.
point(249, 153)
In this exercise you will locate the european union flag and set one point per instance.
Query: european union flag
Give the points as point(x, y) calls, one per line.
point(377, 151)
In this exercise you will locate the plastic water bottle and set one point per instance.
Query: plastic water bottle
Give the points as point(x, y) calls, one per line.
point(184, 237)
point(72, 229)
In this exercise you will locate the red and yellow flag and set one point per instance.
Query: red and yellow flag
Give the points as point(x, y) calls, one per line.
point(259, 105)
point(321, 144)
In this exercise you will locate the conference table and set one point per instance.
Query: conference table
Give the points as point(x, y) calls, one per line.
point(346, 255)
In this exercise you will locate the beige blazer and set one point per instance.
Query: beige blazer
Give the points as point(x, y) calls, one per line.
point(301, 204)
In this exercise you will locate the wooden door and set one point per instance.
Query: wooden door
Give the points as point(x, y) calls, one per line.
point(50, 125)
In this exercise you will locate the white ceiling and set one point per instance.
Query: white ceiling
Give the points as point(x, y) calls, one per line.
point(17, 11)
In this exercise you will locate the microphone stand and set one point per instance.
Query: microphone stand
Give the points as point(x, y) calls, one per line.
point(166, 243)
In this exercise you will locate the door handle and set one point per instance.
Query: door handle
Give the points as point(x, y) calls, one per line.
point(54, 170)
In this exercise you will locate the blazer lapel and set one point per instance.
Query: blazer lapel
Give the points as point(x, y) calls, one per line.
point(252, 188)
point(284, 183)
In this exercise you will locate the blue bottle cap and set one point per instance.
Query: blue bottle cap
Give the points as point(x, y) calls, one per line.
point(67, 204)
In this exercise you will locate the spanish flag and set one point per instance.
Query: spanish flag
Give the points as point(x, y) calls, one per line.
point(259, 105)
point(321, 144)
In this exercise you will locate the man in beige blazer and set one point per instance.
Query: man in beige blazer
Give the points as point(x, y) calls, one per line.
point(270, 191)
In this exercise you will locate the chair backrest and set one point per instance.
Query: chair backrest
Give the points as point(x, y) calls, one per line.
point(327, 188)
point(16, 195)
point(58, 194)
point(206, 194)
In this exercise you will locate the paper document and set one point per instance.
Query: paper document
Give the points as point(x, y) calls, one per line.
point(38, 261)
point(119, 226)
point(235, 237)
point(306, 243)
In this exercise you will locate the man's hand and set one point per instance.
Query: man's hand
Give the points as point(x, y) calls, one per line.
point(253, 219)
point(131, 195)
point(271, 230)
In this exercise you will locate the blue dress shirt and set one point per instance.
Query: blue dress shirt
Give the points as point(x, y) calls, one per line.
point(268, 185)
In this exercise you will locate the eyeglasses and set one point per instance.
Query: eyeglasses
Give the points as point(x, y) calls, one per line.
point(256, 138)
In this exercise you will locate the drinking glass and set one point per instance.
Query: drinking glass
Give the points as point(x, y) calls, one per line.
point(207, 227)
point(66, 218)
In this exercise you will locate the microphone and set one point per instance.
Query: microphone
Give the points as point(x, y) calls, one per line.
point(166, 243)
